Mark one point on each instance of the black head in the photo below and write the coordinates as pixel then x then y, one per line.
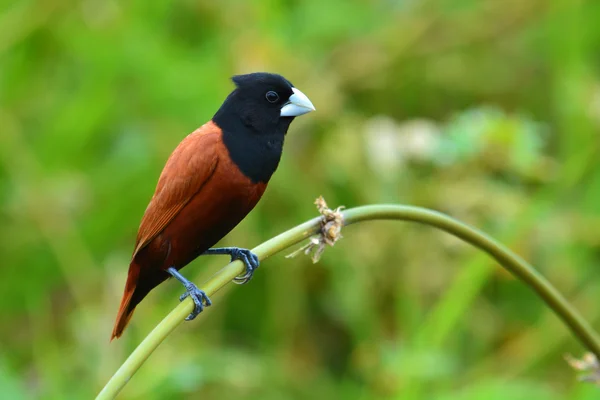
pixel 255 118
pixel 264 102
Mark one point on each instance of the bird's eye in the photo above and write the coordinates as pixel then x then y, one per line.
pixel 272 96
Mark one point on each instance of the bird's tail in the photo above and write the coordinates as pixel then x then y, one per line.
pixel 127 306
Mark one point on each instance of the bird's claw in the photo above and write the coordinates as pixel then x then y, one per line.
pixel 251 262
pixel 198 296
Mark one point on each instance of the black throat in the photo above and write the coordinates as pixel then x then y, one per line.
pixel 255 144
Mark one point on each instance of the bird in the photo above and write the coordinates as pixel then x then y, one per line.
pixel 211 181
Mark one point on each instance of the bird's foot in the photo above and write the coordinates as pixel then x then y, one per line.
pixel 199 297
pixel 249 259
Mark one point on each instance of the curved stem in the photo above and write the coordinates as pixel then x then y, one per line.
pixel 510 261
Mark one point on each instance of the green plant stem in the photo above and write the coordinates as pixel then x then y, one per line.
pixel 513 263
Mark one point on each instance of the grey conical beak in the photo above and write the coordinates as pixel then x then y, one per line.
pixel 298 104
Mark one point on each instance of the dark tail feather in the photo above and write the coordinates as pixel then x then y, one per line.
pixel 139 284
pixel 128 302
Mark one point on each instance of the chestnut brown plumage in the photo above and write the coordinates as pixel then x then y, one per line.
pixel 211 181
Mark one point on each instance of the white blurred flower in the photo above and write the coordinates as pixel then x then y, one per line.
pixel 390 144
pixel 382 144
pixel 420 138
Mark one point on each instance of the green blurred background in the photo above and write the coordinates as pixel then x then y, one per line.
pixel 486 110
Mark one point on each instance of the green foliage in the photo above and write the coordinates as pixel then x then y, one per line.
pixel 486 110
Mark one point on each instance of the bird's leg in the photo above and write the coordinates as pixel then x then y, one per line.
pixel 249 259
pixel 200 298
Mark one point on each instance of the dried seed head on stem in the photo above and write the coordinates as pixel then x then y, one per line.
pixel 330 232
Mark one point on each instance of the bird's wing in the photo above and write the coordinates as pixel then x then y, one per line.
pixel 188 169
